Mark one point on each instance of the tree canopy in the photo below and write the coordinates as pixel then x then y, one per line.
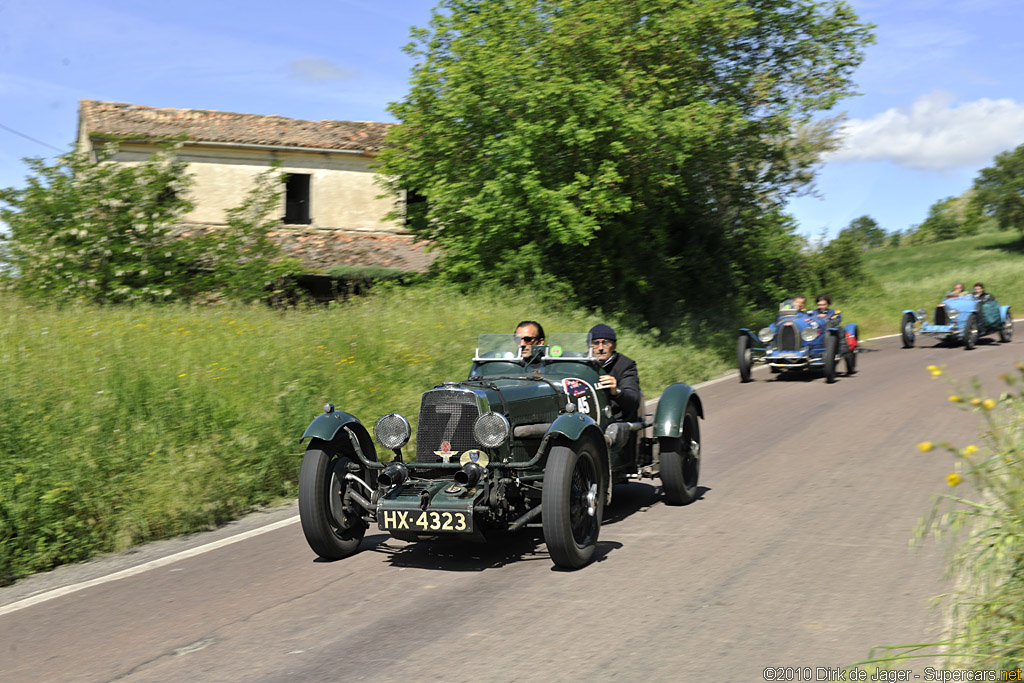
pixel 630 154
pixel 864 231
pixel 999 190
pixel 111 232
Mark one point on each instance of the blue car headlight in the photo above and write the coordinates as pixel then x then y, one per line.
pixel 810 333
pixel 766 334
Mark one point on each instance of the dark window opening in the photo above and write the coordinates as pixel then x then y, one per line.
pixel 296 199
pixel 415 206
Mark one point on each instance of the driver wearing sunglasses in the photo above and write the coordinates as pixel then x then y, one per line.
pixel 528 333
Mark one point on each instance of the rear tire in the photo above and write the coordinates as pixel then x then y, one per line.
pixel 831 344
pixel 744 357
pixel 907 330
pixel 680 461
pixel 1006 334
pixel 574 484
pixel 971 332
pixel 332 531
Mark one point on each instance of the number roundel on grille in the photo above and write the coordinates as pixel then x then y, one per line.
pixel 392 431
pixel 491 430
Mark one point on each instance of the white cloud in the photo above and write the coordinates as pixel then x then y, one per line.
pixel 935 133
pixel 310 69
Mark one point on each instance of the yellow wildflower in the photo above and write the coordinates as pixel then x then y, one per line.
pixel 955 399
pixel 975 401
pixel 925 446
pixel 970 449
pixel 988 404
pixel 935 370
pixel 182 374
pixel 953 479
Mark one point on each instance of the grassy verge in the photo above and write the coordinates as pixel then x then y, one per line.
pixel 984 527
pixel 918 277
pixel 123 425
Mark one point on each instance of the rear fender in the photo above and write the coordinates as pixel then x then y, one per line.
pixel 1004 313
pixel 851 328
pixel 668 419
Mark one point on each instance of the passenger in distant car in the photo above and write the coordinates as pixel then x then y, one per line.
pixel 826 315
pixel 980 294
pixel 958 290
pixel 622 380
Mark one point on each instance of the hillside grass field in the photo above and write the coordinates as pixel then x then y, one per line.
pixel 127 424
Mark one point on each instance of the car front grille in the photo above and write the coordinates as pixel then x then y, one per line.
pixel 941 316
pixel 446 416
pixel 789 338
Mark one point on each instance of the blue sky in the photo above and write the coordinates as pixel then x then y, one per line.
pixel 941 89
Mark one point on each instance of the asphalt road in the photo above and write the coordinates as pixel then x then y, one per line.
pixel 796 555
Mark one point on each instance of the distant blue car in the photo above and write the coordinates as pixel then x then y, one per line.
pixel 959 319
pixel 799 340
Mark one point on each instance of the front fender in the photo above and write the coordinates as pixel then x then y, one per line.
pixel 668 418
pixel 327 425
pixel 573 426
pixel 1004 313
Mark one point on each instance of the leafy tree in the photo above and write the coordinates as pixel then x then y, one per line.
pixel 111 232
pixel 999 190
pixel 100 231
pixel 943 223
pixel 622 154
pixel 865 231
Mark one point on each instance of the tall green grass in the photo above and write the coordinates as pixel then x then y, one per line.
pixel 125 424
pixel 984 527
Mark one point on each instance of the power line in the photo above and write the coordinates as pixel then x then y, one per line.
pixel 29 137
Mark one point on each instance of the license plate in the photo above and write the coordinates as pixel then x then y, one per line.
pixel 425 521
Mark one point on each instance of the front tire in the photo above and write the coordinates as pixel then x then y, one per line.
pixel 831 347
pixel 907 330
pixel 744 357
pixel 971 332
pixel 1006 334
pixel 680 461
pixel 332 530
pixel 572 503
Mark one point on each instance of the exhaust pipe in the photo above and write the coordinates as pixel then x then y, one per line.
pixel 469 475
pixel 394 474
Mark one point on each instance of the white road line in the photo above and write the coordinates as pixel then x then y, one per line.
pixel 199 550
pixel 132 571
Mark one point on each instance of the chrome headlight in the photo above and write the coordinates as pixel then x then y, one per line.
pixel 392 431
pixel 766 334
pixel 810 333
pixel 921 313
pixel 491 430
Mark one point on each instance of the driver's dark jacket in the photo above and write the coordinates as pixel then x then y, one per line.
pixel 625 406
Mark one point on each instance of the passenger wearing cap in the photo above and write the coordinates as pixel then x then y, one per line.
pixel 622 380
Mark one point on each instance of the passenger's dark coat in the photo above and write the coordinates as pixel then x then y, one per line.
pixel 625 406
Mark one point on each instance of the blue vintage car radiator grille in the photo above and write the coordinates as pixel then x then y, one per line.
pixel 446 417
pixel 789 338
pixel 941 317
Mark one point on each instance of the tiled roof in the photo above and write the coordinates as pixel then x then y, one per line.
pixel 135 121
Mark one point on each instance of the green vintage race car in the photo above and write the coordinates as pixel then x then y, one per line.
pixel 521 442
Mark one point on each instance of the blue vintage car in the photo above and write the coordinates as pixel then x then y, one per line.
pixel 799 340
pixel 959 319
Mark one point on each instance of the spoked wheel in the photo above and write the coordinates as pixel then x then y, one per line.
pixel 850 357
pixel 907 330
pixel 831 348
pixel 572 503
pixel 1006 334
pixel 744 357
pixel 971 332
pixel 333 529
pixel 680 461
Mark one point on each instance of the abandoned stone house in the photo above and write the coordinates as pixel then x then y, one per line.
pixel 331 211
